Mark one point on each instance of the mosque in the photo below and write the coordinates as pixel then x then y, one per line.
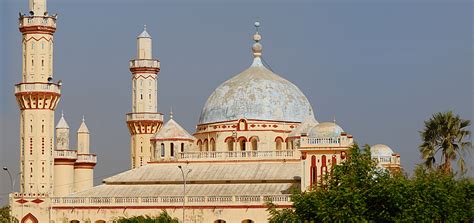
pixel 256 140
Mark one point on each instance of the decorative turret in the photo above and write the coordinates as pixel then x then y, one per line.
pixel 144 120
pixel 64 160
pixel 84 166
pixel 37 95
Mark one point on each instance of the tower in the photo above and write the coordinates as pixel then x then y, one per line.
pixel 144 120
pixel 37 96
pixel 85 163
pixel 64 160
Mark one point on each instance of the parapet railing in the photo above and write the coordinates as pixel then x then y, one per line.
pixel 38 20
pixel 386 159
pixel 87 158
pixel 339 141
pixel 65 154
pixel 37 86
pixel 239 154
pixel 152 63
pixel 144 116
pixel 171 200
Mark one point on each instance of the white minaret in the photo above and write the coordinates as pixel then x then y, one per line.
pixel 144 120
pixel 37 96
pixel 84 166
pixel 64 160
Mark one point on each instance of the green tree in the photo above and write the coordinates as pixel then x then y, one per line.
pixel 448 134
pixel 164 217
pixel 5 213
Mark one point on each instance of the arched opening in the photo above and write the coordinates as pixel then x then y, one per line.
pixel 199 144
pixel 278 143
pixel 213 144
pixel 242 125
pixel 219 221
pixel 254 142
pixel 313 172
pixel 230 143
pixel 172 149
pixel 242 143
pixel 247 221
pixel 206 145
pixel 74 221
pixel 182 147
pixel 162 150
pixel 100 221
pixel 29 218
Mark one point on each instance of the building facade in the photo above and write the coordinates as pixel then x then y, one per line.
pixel 257 139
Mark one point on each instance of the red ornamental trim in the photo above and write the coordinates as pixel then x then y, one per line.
pixel 30 100
pixel 144 126
pixel 248 120
pixel 64 161
pixel 224 161
pixel 84 165
pixel 174 207
pixel 150 70
pixel 37 201
pixel 228 138
pixel 171 139
pixel 279 137
pixel 242 138
pixel 254 137
pixel 255 130
pixel 22 201
pixel 38 39
pixel 142 76
pixel 37 30
pixel 29 218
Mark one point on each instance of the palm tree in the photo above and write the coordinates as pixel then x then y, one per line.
pixel 446 133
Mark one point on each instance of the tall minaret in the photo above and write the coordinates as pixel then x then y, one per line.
pixel 144 120
pixel 84 166
pixel 37 96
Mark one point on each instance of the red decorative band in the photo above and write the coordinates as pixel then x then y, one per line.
pixel 151 70
pixel 37 30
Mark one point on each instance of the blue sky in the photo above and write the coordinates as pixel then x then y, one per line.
pixel 380 67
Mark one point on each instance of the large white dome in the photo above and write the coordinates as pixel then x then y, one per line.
pixel 256 93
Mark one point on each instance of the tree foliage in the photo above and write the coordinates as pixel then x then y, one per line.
pixel 164 217
pixel 448 134
pixel 361 192
pixel 5 213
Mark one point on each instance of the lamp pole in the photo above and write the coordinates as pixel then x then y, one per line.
pixel 185 176
pixel 12 183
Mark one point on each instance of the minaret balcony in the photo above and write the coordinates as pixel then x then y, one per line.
pixel 144 116
pixel 145 66
pixel 86 158
pixel 65 154
pixel 37 87
pixel 38 24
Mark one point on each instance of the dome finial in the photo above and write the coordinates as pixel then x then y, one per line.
pixel 334 119
pixel 257 47
pixel 62 113
pixel 171 113
pixel 83 118
pixel 144 27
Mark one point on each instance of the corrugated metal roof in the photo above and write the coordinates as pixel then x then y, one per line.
pixel 191 190
pixel 226 171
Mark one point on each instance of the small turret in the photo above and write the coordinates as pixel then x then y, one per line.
pixel 64 160
pixel 83 138
pixel 144 45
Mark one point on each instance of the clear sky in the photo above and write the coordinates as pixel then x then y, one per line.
pixel 381 67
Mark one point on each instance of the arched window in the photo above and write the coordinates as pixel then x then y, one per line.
pixel 213 144
pixel 219 221
pixel 162 150
pixel 278 143
pixel 253 141
pixel 313 172
pixel 230 143
pixel 182 147
pixel 247 221
pixel 242 125
pixel 242 143
pixel 199 144
pixel 206 145
pixel 100 221
pixel 171 149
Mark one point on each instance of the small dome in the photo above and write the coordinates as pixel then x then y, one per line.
pixel 304 127
pixel 325 130
pixel 380 150
pixel 62 124
pixel 172 131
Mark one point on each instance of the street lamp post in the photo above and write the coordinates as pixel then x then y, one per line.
pixel 12 182
pixel 185 176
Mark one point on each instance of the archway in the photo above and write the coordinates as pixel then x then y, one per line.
pixel 219 221
pixel 29 218
pixel 100 221
pixel 230 143
pixel 74 221
pixel 278 142
pixel 254 142
pixel 213 144
pixel 247 221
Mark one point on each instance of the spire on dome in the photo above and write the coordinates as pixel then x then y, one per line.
pixel 144 34
pixel 62 124
pixel 257 47
pixel 83 128
pixel 171 113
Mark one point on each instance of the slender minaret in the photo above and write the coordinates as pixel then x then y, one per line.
pixel 144 120
pixel 64 160
pixel 84 166
pixel 37 95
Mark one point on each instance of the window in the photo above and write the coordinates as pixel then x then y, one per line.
pixel 182 147
pixel 42 128
pixel 230 144
pixel 243 143
pixel 278 142
pixel 253 141
pixel 162 150
pixel 313 172
pixel 171 149
pixel 206 145
pixel 42 63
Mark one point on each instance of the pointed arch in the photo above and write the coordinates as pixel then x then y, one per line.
pixel 242 126
pixel 29 218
